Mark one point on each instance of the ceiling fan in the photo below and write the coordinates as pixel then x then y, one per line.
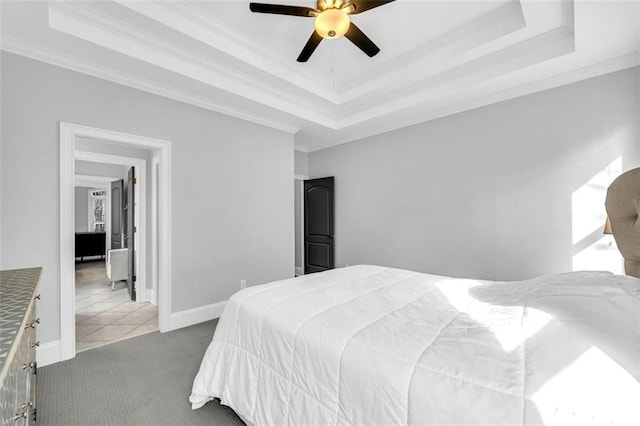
pixel 332 21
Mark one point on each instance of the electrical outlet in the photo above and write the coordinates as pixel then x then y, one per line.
pixel 243 284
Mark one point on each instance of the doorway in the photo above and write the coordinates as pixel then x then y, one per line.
pixel 319 224
pixel 106 309
pixel 88 158
pixel 159 290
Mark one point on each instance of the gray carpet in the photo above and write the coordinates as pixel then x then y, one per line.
pixel 145 380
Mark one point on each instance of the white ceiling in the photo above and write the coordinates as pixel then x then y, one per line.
pixel 437 57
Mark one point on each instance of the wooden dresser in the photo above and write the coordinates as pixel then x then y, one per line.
pixel 90 244
pixel 18 321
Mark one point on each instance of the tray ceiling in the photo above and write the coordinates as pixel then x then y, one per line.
pixel 437 57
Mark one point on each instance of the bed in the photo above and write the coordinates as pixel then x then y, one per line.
pixel 375 345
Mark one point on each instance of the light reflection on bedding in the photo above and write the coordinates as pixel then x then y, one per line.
pixel 594 389
pixel 511 325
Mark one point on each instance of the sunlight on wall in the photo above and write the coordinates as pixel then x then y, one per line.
pixel 592 250
pixel 600 256
pixel 593 390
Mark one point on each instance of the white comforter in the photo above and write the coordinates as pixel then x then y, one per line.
pixel 372 345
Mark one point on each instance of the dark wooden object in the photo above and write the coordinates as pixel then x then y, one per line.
pixel 318 225
pixel 90 244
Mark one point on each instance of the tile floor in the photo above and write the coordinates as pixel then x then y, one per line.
pixel 104 316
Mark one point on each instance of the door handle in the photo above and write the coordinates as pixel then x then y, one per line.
pixel 125 236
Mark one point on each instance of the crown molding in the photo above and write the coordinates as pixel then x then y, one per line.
pixel 39 53
pixel 602 68
pixel 93 26
pixel 300 148
pixel 435 55
pixel 187 19
pixel 80 21
pixel 485 71
pixel 526 53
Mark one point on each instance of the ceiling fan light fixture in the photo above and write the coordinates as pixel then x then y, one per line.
pixel 332 23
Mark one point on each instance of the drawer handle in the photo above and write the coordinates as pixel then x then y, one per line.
pixel 20 416
pixel 33 365
pixel 27 404
pixel 33 345
pixel 33 323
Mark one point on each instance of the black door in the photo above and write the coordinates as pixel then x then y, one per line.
pixel 116 214
pixel 318 225
pixel 130 230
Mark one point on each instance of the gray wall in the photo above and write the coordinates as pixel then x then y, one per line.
pixel 1 234
pixel 232 203
pixel 301 166
pixel 301 162
pixel 82 208
pixel 486 193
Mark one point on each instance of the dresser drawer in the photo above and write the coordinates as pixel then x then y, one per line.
pixel 18 337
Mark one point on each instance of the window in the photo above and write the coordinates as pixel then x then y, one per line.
pixel 97 209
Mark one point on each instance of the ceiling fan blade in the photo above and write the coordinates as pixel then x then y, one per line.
pixel 310 47
pixel 357 37
pixel 280 9
pixel 359 6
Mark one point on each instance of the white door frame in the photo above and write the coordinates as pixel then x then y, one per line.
pixel 100 182
pixel 155 165
pixel 301 178
pixel 68 134
pixel 140 212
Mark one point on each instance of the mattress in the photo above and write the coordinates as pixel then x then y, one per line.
pixel 375 345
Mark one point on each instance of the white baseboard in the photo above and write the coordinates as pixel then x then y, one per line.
pixel 196 315
pixel 48 353
pixel 299 270
pixel 152 297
